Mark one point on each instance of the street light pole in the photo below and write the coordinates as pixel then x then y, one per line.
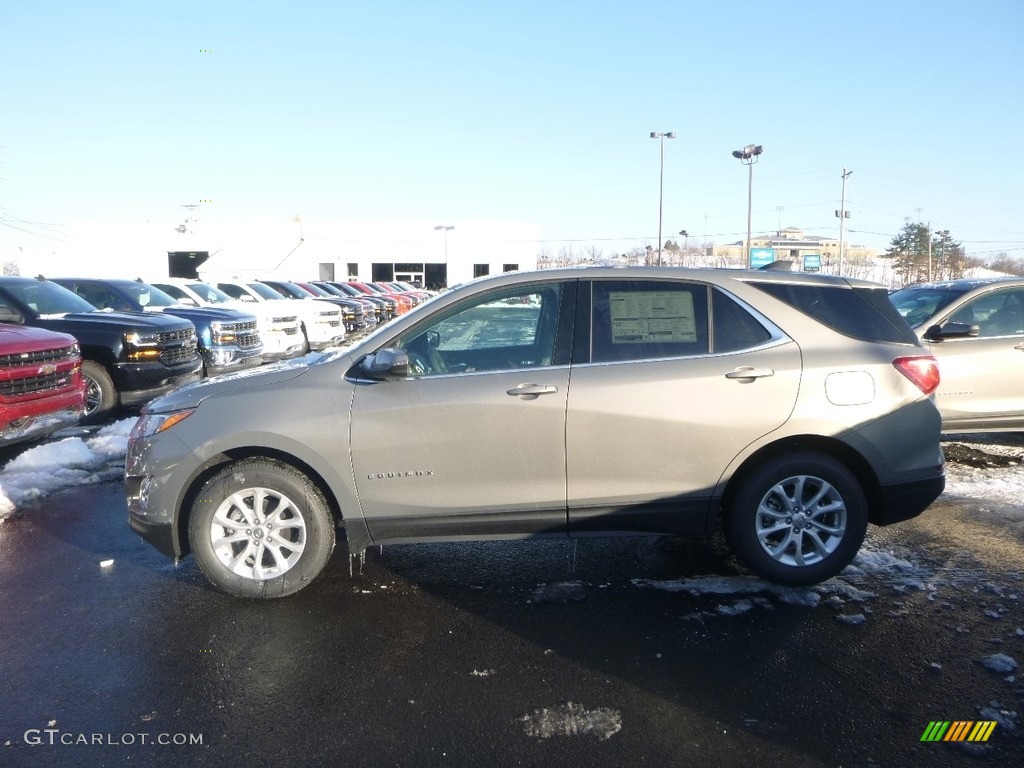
pixel 843 215
pixel 661 180
pixel 446 230
pixel 748 156
pixel 686 243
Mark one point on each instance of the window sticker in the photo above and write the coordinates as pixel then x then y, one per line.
pixel 652 316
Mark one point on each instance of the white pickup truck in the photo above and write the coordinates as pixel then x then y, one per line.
pixel 278 326
pixel 322 322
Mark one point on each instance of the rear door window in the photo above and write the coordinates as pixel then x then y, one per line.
pixel 647 319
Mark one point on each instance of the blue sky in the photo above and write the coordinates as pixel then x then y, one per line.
pixel 528 111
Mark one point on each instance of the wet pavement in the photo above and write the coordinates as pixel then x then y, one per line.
pixel 607 653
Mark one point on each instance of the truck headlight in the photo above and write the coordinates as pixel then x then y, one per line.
pixel 222 334
pixel 142 346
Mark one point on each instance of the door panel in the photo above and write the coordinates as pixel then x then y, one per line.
pixel 656 435
pixel 472 443
pixel 981 380
pixel 655 415
pixel 455 451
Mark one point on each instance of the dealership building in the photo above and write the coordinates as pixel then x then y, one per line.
pixel 432 254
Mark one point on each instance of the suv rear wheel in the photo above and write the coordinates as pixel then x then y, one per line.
pixel 798 519
pixel 261 528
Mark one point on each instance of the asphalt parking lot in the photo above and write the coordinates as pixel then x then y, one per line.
pixel 608 652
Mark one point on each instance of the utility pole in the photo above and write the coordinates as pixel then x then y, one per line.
pixel 843 215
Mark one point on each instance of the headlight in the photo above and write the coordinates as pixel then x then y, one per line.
pixel 136 339
pixel 142 346
pixel 150 424
pixel 221 334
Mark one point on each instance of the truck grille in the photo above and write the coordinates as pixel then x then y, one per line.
pixel 35 384
pixel 177 346
pixel 246 335
pixel 37 358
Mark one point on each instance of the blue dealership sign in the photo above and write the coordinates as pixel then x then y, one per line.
pixel 812 262
pixel 761 257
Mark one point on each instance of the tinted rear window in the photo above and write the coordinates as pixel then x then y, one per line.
pixel 861 313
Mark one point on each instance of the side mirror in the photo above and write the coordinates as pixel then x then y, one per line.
pixel 386 364
pixel 951 331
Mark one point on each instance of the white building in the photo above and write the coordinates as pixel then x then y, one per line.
pixel 432 254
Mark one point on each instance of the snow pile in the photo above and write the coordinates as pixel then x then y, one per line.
pixel 72 461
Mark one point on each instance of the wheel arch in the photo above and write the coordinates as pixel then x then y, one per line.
pixel 836 449
pixel 216 463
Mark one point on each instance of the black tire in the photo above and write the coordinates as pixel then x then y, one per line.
pixel 100 394
pixel 786 542
pixel 293 516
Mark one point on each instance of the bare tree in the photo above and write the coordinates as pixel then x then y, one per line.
pixel 11 267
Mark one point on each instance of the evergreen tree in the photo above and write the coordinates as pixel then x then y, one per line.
pixel 909 252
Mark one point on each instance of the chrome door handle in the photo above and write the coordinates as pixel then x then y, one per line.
pixel 750 373
pixel 531 389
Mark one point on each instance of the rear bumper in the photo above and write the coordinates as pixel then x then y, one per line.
pixel 902 501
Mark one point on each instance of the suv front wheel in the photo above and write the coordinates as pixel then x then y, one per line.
pixel 797 519
pixel 260 528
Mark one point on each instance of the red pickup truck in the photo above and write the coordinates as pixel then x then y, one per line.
pixel 41 384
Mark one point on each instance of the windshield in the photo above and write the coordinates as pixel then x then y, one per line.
pixel 209 294
pixel 265 291
pixel 316 290
pixel 290 290
pixel 348 290
pixel 917 305
pixel 46 298
pixel 146 295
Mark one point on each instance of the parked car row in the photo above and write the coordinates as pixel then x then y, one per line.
pixel 75 348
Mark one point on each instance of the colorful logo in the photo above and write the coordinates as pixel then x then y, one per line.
pixel 958 730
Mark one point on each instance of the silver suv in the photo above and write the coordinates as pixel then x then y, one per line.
pixel 975 328
pixel 791 409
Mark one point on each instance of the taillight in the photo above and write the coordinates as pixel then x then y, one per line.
pixel 923 371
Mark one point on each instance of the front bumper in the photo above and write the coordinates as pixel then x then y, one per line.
pixel 334 341
pixel 141 382
pixel 230 358
pixel 39 426
pixel 160 535
pixel 322 334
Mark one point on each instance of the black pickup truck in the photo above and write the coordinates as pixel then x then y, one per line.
pixel 228 338
pixel 128 358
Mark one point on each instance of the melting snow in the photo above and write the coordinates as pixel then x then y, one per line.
pixel 998 662
pixel 46 468
pixel 572 720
